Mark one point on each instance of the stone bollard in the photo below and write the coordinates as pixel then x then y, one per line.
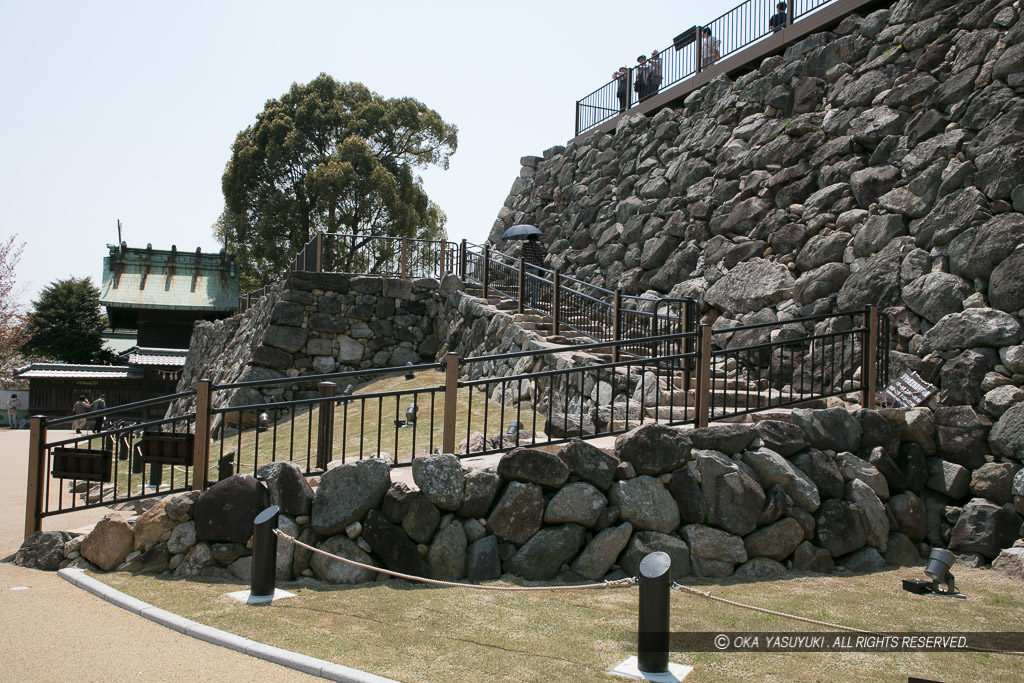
pixel 264 554
pixel 652 634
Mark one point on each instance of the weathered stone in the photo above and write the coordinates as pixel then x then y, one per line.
pixel 645 542
pixel 776 541
pixel 42 550
pixel 1004 291
pixel 948 478
pixel 772 468
pixel 533 466
pixel 577 502
pixel 1010 562
pixel 440 478
pixel 875 517
pixel 653 449
pixel 1007 435
pixel 961 377
pixel 182 538
pixel 994 481
pixel 687 493
pixel 335 572
pixel 784 438
pixel 868 184
pixel 589 463
pixel 347 492
pixel 181 507
pixel 728 438
pixel 908 514
pixel 840 527
pixel 984 528
pixel 734 498
pixel 751 286
pixel 196 561
pixel 288 489
pixel 760 569
pixel 480 489
pixel 645 503
pixel 545 553
pixel 518 513
pixel 852 467
pixel 446 559
pixel 962 433
pixel 421 518
pixel 226 510
pixel 886 466
pixel 830 429
pixel 936 295
pixel 809 557
pixel 482 560
pixel 877 282
pixel 712 552
pixel 396 501
pixel 600 554
pixel 863 560
pixel 153 526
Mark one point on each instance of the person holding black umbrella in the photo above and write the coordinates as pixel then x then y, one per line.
pixel 533 255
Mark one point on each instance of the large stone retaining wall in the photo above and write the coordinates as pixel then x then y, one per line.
pixel 827 489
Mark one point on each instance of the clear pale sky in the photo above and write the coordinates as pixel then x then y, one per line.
pixel 127 110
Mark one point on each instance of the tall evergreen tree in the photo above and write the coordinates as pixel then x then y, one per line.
pixel 68 324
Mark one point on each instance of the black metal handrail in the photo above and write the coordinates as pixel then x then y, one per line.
pixel 688 55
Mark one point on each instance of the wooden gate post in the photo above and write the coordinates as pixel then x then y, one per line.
pixel 405 258
pixel 462 260
pixel 201 449
pixel 36 464
pixel 325 426
pixel 616 324
pixel 556 302
pixel 703 398
pixel 869 357
pixel 451 399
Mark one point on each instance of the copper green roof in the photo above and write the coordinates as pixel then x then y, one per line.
pixel 168 280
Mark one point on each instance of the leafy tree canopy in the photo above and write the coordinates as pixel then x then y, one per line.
pixel 329 157
pixel 68 323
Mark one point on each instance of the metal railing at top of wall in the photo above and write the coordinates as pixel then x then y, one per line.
pixel 484 404
pixel 687 56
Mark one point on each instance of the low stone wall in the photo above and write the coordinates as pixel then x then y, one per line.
pixel 827 489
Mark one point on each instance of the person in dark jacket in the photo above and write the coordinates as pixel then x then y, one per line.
pixel 778 20
pixel 621 79
pixel 533 256
pixel 99 404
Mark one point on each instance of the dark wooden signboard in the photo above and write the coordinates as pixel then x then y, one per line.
pixel 83 464
pixel 167 448
pixel 908 390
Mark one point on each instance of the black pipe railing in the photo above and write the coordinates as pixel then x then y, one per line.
pixel 690 54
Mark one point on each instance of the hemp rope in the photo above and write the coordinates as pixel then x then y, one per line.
pixel 707 594
pixel 620 583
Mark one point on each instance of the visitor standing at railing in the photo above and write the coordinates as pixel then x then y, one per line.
pixel 653 74
pixel 533 255
pixel 709 48
pixel 778 20
pixel 621 79
pixel 640 78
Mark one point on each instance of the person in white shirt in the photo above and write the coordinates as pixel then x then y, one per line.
pixel 709 48
pixel 13 406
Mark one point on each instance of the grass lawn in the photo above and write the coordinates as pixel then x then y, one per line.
pixel 416 633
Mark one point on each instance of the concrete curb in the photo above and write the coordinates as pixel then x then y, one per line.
pixel 292 660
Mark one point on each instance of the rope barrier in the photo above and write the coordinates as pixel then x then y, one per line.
pixel 707 594
pixel 620 583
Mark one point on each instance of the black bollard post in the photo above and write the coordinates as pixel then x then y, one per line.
pixel 652 635
pixel 264 554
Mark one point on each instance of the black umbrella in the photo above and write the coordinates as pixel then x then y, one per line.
pixel 520 232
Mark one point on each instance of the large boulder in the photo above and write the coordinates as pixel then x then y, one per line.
pixel 686 490
pixel 600 554
pixel 936 295
pixel 440 478
pixel 42 550
pixel 963 434
pixel 875 517
pixel 829 429
pixel 975 252
pixel 483 563
pixel 644 543
pixel 713 553
pixel 962 376
pixel 589 463
pixel 226 510
pixel 1007 435
pixel 821 470
pixel 734 498
pixel 853 467
pixel 772 468
pixel 994 481
pixel 1010 562
pixel 545 553
pixel 337 572
pixel 518 514
pixel 533 466
pixel 288 489
pixel 577 502
pixel 948 478
pixel 776 541
pixel 645 503
pixel 347 492
pixel 1004 291
pixel 751 286
pixel 908 513
pixel 785 438
pixel 480 489
pixel 421 518
pixel 970 328
pixel 840 527
pixel 153 526
pixel 984 528
pixel 446 558
pixel 653 449
pixel 110 541
pixel 877 282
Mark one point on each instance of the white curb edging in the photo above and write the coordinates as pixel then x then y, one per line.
pixel 292 660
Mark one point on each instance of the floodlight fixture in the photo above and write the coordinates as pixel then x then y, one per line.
pixel 514 427
pixel 409 374
pixel 410 413
pixel 940 561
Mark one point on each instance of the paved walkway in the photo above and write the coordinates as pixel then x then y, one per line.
pixel 54 631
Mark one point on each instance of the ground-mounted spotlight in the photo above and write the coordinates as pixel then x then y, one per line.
pixel 347 392
pixel 263 422
pixel 410 413
pixel 409 374
pixel 514 427
pixel 940 561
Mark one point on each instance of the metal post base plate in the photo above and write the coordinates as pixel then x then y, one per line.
pixel 628 669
